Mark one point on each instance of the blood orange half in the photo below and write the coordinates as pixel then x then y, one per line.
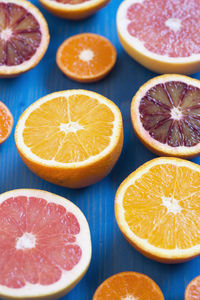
pixel 24 37
pixel 165 114
pixel 45 245
pixel 73 9
pixel 161 35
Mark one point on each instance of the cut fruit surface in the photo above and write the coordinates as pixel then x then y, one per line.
pixel 71 138
pixel 45 246
pixel 165 114
pixel 86 57
pixel 73 9
pixel 128 286
pixel 192 291
pixel 167 41
pixel 6 122
pixel 158 209
pixel 24 37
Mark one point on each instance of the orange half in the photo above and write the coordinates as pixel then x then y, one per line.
pixel 192 291
pixel 128 286
pixel 86 57
pixel 6 122
pixel 71 138
pixel 73 9
pixel 158 209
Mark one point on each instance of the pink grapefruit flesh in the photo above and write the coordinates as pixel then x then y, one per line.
pixel 20 34
pixel 40 242
pixel 168 28
pixel 170 113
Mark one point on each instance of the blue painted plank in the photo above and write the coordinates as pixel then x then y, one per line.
pixel 111 252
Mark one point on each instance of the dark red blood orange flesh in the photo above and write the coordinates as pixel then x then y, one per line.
pixel 170 112
pixel 167 27
pixel 37 241
pixel 193 290
pixel 72 1
pixel 20 34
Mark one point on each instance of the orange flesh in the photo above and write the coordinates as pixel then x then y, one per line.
pixel 128 286
pixel 6 122
pixel 193 290
pixel 69 129
pixel 102 56
pixel 163 207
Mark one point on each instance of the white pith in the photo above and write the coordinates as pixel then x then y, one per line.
pixel 143 243
pixel 129 298
pixel 123 22
pixel 171 204
pixel 83 239
pixel 6 34
pixel 86 55
pixel 44 38
pixel 70 127
pixel 26 241
pixel 176 113
pixel 113 139
pixel 174 24
pixel 181 150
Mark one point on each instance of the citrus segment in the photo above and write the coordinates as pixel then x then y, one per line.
pixel 24 37
pixel 157 209
pixel 165 115
pixel 73 9
pixel 165 41
pixel 128 286
pixel 192 291
pixel 86 57
pixel 6 122
pixel 45 242
pixel 71 138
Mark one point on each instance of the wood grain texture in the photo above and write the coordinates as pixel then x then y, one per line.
pixel 111 252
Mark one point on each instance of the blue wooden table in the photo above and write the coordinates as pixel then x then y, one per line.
pixel 111 252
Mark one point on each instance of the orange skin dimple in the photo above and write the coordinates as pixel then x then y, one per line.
pixel 97 67
pixel 128 285
pixel 6 122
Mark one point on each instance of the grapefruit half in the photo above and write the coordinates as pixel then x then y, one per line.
pixel 165 114
pixel 45 246
pixel 161 35
pixel 24 37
